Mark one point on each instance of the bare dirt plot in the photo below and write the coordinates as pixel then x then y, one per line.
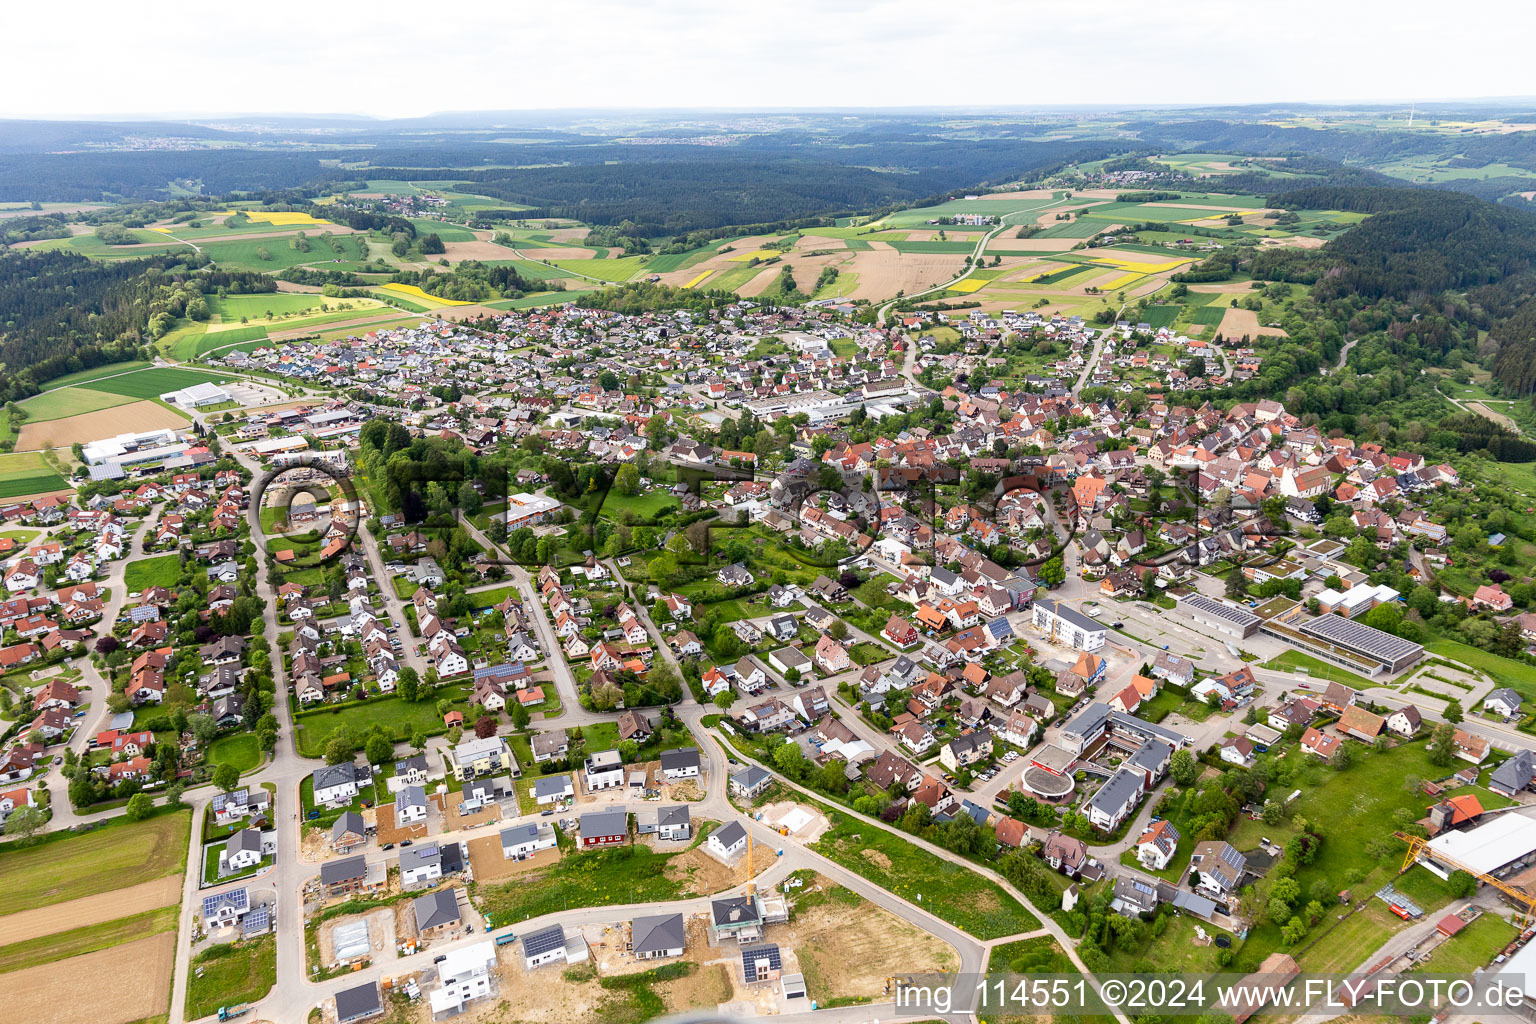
pixel 760 283
pixel 804 823
pixel 707 874
pixel 93 426
pixel 126 983
pixel 1005 243
pixel 543 996
pixel 883 272
pixel 847 949
pixel 487 816
pixel 135 899
pixel 294 286
pixel 489 865
pixel 478 250
pixel 704 989
pixel 389 833
pixel 1237 322
pixel 544 254
pixel 1497 417
pixel 1031 193
pixel 1295 242
pixel 1241 287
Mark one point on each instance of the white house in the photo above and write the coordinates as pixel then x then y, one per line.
pixel 241 851
pixel 1068 626
pixel 410 805
pixel 604 770
pixel 677 765
pixel 1157 845
pixel 727 841
pixel 1503 702
pixel 522 841
pixel 338 783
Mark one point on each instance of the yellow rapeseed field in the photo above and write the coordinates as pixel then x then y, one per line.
pixel 761 254
pixel 415 292
pixel 970 284
pixel 1122 281
pixel 1140 266
pixel 695 282
pixel 279 219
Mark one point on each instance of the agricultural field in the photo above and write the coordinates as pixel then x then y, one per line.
pixel 91 426
pixel 26 473
pixel 63 402
pixel 416 297
pixel 155 382
pixel 66 914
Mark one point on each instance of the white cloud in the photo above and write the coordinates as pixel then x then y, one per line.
pixel 392 58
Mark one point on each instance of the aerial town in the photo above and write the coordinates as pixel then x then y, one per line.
pixel 878 544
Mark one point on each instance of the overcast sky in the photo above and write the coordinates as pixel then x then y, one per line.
pixel 73 58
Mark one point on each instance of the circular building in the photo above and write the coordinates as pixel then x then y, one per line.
pixel 1045 785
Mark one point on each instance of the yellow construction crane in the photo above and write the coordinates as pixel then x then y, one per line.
pixel 1526 902
pixel 751 878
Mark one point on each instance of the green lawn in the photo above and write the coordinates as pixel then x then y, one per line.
pixel 28 473
pixel 1516 675
pixel 64 866
pixel 232 973
pixel 595 878
pixel 397 717
pixel 1472 947
pixel 1350 809
pixel 211 864
pixel 155 382
pixel 239 749
pixel 619 270
pixel 82 376
pixel 246 254
pixel 646 505
pixel 1317 668
pixel 955 893
pixel 159 571
pixel 55 405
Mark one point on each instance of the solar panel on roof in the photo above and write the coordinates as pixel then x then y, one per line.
pixel 550 938
pixel 239 899
pixel 1349 633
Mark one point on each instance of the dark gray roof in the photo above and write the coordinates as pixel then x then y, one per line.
pixel 350 821
pixel 672 816
pixel 658 933
pixel 730 834
pixel 604 823
pixel 734 910
pixel 245 839
pixel 333 871
pixel 549 785
pixel 359 1002
pixel 436 908
pixel 544 940
pixel 524 833
pixel 686 757
pixel 1118 792
pixel 1514 774
pixel 751 776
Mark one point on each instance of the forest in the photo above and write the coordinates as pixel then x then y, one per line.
pixel 62 312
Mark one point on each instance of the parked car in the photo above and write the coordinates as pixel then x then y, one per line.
pixel 406 842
